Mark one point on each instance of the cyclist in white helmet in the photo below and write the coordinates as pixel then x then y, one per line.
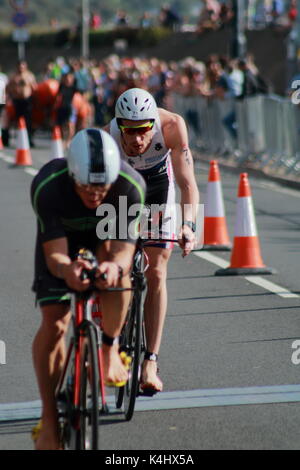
pixel 154 141
pixel 65 196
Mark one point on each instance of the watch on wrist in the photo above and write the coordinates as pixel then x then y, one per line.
pixel 190 224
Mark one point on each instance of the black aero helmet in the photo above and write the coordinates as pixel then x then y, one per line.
pixel 93 157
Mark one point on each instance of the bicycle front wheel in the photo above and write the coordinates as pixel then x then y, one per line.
pixel 87 438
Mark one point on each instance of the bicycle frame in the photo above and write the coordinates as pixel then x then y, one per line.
pixel 133 337
pixel 78 320
pixel 82 315
pixel 85 311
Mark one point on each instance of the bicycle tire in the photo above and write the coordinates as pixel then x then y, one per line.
pixel 133 338
pixel 65 401
pixel 89 392
pixel 119 396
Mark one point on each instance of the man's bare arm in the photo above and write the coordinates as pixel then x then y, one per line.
pixel 176 138
pixel 61 266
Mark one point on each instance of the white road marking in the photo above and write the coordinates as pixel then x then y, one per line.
pixel 281 291
pixel 212 258
pixel 31 171
pixel 175 400
pixel 7 158
pixel 258 280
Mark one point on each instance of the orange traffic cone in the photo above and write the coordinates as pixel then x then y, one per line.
pixel 23 154
pixel 57 150
pixel 245 257
pixel 215 228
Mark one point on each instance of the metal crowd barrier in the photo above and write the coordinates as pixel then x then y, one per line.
pixel 267 129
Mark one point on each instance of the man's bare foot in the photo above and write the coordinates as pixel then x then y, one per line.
pixel 115 372
pixel 149 377
pixel 47 440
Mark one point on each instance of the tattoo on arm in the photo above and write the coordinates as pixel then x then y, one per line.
pixel 185 151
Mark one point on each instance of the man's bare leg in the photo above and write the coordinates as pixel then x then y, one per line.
pixel 48 352
pixel 115 307
pixel 155 310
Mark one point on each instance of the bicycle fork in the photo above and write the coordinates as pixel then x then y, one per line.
pixel 96 317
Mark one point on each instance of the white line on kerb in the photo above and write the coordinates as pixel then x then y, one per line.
pixel 258 280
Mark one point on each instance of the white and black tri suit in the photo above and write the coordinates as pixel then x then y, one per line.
pixel 156 168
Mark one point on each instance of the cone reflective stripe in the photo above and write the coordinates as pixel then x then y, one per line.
pixel 246 255
pixel 23 154
pixel 57 150
pixel 215 228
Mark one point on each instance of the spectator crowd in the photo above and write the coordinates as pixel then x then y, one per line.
pixel 99 83
pixel 257 14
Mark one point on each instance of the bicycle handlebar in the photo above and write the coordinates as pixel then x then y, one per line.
pixel 91 275
pixel 143 240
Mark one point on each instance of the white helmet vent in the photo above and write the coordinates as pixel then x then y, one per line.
pixel 136 104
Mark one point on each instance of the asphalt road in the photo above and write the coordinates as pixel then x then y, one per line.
pixel 226 357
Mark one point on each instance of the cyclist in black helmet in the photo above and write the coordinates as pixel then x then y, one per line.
pixel 66 197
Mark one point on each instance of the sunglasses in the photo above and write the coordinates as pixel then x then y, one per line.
pixel 92 188
pixel 140 130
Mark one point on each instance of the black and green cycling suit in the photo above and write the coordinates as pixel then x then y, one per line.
pixel 61 213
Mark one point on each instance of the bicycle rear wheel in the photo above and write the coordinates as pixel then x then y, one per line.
pixel 88 430
pixel 131 343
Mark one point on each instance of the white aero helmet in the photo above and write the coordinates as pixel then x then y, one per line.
pixel 93 157
pixel 136 104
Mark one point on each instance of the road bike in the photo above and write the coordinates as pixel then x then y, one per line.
pixel 133 339
pixel 80 393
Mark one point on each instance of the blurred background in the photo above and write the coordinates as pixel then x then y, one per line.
pixel 269 29
pixel 229 67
